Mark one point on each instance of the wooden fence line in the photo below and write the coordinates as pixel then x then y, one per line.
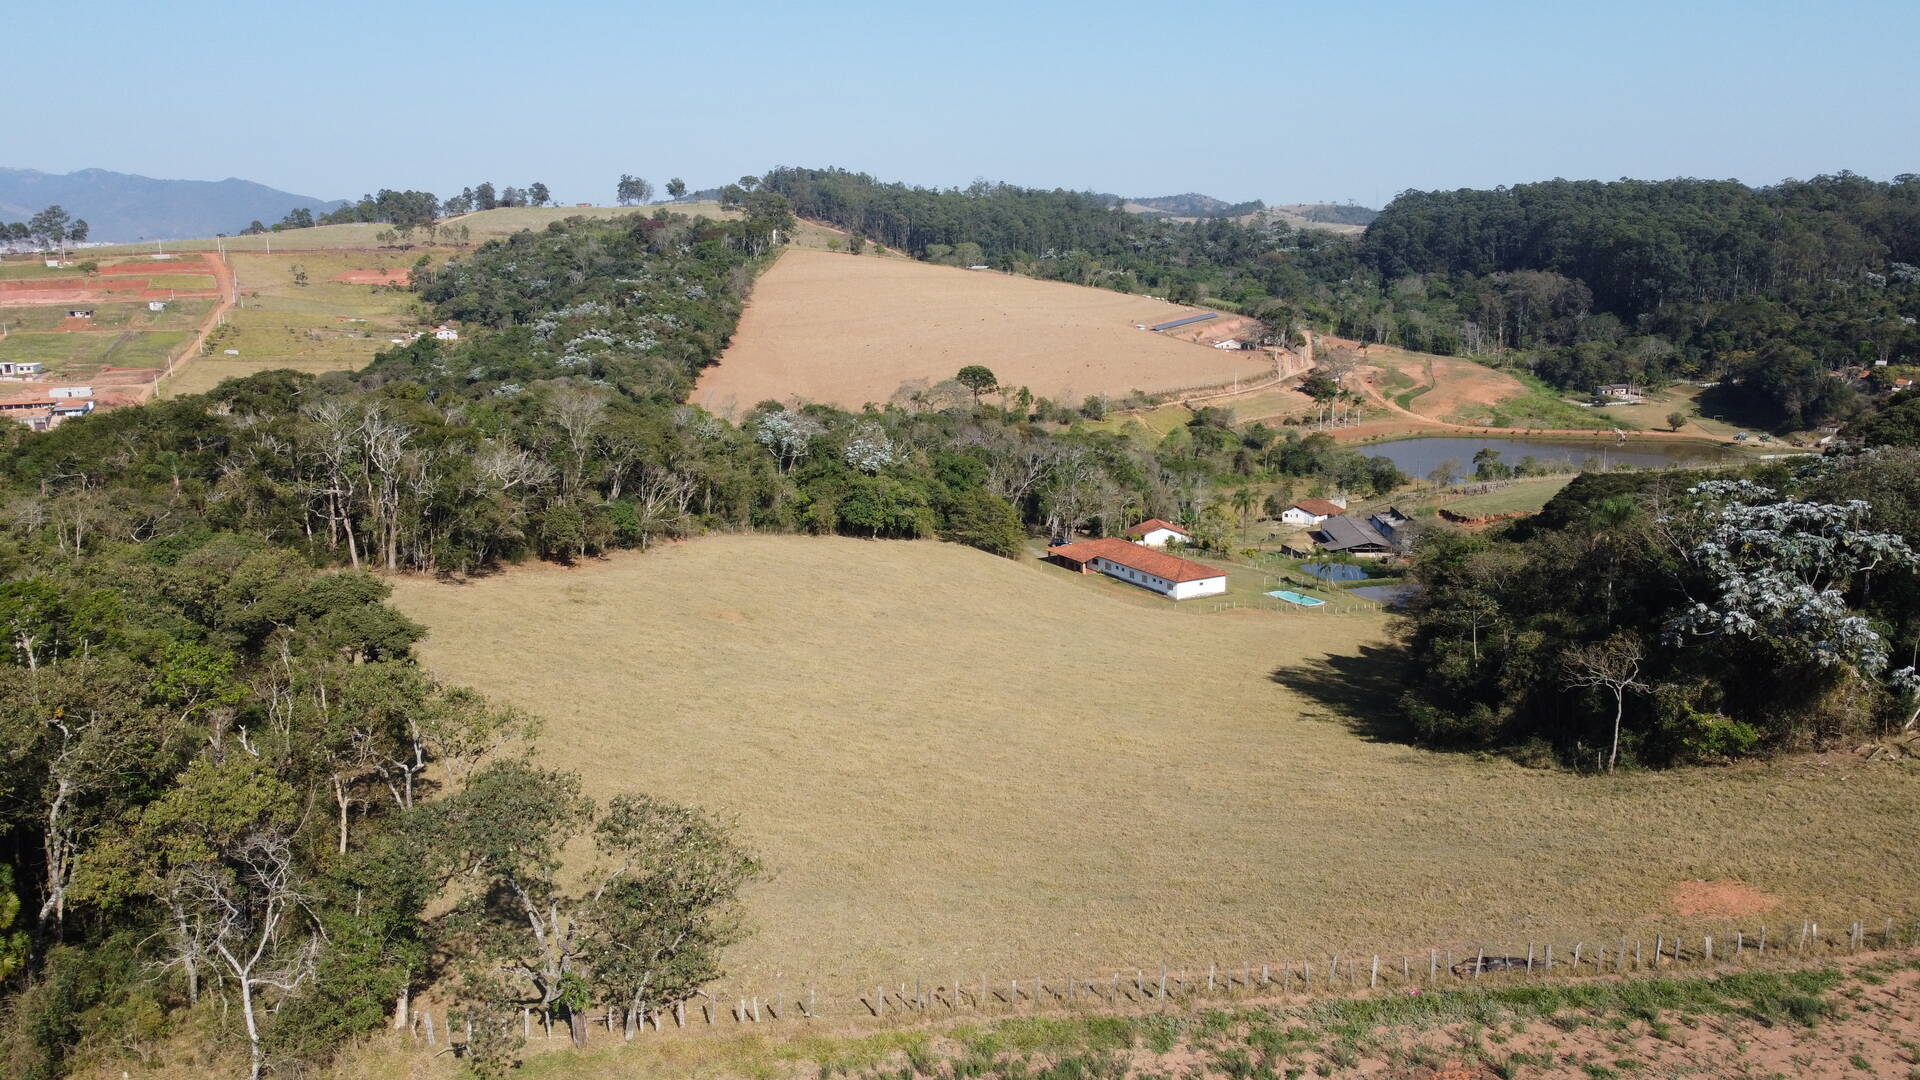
pixel 1333 973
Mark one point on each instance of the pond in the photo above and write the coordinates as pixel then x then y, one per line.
pixel 1420 456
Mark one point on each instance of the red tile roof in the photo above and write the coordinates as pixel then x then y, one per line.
pixel 1144 559
pixel 1151 524
pixel 1321 507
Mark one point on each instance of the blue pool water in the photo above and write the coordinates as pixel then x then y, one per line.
pixel 1292 597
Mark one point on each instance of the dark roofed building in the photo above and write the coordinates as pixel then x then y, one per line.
pixel 1346 536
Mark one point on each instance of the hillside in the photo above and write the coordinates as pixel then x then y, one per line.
pixel 124 207
pixel 848 330
pixel 954 760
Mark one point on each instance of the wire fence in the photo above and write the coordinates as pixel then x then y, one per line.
pixel 1137 988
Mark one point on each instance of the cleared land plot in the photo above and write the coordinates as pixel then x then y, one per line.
pixel 70 356
pixel 324 325
pixel 847 330
pixel 179 315
pixel 957 762
pixel 1456 391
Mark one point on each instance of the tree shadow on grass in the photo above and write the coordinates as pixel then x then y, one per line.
pixel 1361 691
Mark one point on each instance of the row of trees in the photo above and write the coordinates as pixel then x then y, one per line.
pixel 50 229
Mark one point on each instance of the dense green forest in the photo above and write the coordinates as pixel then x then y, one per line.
pixel 1768 291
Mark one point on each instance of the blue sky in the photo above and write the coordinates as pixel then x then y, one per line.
pixel 1282 101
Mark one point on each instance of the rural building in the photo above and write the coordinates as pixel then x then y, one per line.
pixel 1230 343
pixel 979 266
pixel 21 367
pixel 1390 523
pixel 42 412
pixel 1619 390
pixel 54 264
pixel 1345 536
pixel 1312 511
pixel 80 313
pixel 70 392
pixel 1154 532
pixel 1168 575
pixel 1172 324
pixel 156 305
pixel 443 332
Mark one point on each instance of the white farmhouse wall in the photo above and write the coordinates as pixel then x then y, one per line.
pixel 1162 537
pixel 1293 515
pixel 1211 586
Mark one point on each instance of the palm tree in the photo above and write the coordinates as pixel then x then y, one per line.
pixel 1243 502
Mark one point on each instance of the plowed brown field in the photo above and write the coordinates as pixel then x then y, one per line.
pixel 851 329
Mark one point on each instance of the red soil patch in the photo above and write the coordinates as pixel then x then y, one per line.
pixel 374 277
pixel 1724 898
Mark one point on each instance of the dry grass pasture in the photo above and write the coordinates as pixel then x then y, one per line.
pixel 954 762
pixel 848 330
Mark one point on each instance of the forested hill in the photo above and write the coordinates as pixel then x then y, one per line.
pixel 1638 244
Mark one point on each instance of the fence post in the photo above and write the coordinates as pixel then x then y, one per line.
pixel 1659 944
pixel 1433 965
pixel 1549 958
pixel 428 1017
pixel 1479 962
pixel 1529 957
pixel 526 1023
pixel 1709 949
pixel 1163 983
pixel 1209 978
pixel 1373 979
pixel 1739 943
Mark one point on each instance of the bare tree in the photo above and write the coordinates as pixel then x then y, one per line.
pixel 1612 665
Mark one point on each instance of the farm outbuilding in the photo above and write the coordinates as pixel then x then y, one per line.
pixel 446 333
pixel 1154 532
pixel 1343 535
pixel 156 305
pixel 1168 575
pixel 1174 324
pixel 21 367
pixel 1311 511
pixel 80 313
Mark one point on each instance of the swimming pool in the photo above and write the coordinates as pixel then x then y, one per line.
pixel 1292 597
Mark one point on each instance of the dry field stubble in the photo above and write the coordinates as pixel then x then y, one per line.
pixel 957 763
pixel 848 330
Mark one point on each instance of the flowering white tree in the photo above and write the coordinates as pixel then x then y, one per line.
pixel 1780 568
pixel 870 450
pixel 788 435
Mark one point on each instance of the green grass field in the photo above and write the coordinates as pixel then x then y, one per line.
pixel 321 326
pixel 1540 406
pixel 179 315
pixel 956 762
pixel 181 281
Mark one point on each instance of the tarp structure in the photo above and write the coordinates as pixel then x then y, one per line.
pixel 1334 571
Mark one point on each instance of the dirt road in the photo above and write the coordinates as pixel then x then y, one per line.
pixel 222 274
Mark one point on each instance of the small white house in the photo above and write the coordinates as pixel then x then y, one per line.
pixel 156 305
pixel 1311 512
pixel 70 392
pixel 1623 391
pixel 21 368
pixel 1156 533
pixel 444 332
pixel 1230 343
pixel 1156 571
pixel 55 264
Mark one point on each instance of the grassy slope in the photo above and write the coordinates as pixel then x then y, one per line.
pixel 954 761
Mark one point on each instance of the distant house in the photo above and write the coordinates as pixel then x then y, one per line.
pixel 41 412
pixel 1154 532
pixel 1619 390
pixel 21 368
pixel 55 264
pixel 70 392
pixel 80 313
pixel 1345 536
pixel 156 305
pixel 979 266
pixel 1168 575
pixel 1312 511
pixel 443 332
pixel 1230 343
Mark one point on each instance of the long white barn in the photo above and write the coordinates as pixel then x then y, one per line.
pixel 1168 575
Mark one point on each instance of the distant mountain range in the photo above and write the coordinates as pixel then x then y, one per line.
pixel 122 207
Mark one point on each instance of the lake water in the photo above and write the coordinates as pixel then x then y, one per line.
pixel 1418 457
